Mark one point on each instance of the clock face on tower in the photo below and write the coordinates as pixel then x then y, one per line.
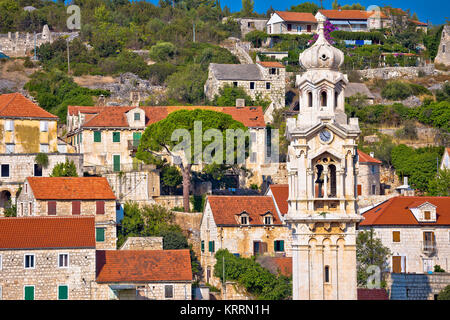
pixel 325 136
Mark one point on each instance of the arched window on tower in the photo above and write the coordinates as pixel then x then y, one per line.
pixel 310 99
pixel 336 96
pixel 323 99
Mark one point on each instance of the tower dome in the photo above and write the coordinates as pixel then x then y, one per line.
pixel 322 55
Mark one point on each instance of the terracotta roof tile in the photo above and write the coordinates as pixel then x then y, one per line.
pixel 364 157
pixel 15 105
pixel 271 64
pixel 296 16
pixel 396 211
pixel 47 232
pixel 226 209
pixel 372 294
pixel 284 265
pixel 419 23
pixel 143 265
pixel 71 188
pixel 350 14
pixel 281 194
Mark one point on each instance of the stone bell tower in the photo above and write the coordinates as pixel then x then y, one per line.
pixel 322 160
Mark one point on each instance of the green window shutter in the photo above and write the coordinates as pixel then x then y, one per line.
pixel 116 162
pixel 116 136
pixel 97 136
pixel 137 116
pixel 99 234
pixel 136 138
pixel 29 293
pixel 63 292
pixel 281 245
pixel 211 246
pixel 203 246
pixel 275 246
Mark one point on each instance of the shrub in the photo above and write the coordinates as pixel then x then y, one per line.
pixel 396 90
pixel 444 294
pixel 162 51
pixel 42 159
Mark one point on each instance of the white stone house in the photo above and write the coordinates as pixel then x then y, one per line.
pixel 368 175
pixel 244 225
pixel 47 258
pixel 263 79
pixel 286 22
pixel 415 229
pixel 445 162
pixel 443 55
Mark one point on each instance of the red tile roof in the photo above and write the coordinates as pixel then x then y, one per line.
pixel 115 116
pixel 284 265
pixel 372 294
pixel 419 23
pixel 396 211
pixel 47 232
pixel 271 64
pixel 350 14
pixel 364 157
pixel 226 209
pixel 15 105
pixel 296 16
pixel 281 194
pixel 71 188
pixel 143 265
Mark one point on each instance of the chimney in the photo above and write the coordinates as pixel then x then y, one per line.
pixel 101 102
pixel 372 155
pixel 135 98
pixel 240 103
pixel 405 181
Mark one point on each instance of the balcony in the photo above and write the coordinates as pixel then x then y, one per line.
pixel 429 247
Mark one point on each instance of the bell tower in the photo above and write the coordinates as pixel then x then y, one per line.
pixel 322 170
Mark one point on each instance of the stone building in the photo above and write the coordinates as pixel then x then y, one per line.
pixel 143 275
pixel 368 175
pixel 286 22
pixel 322 171
pixel 415 229
pixel 109 136
pixel 357 20
pixel 27 130
pixel 72 196
pixel 47 258
pixel 443 55
pixel 445 162
pixel 248 24
pixel 245 225
pixel 265 79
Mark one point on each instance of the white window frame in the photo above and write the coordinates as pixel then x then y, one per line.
pixel 9 146
pixel 43 146
pixel 68 261
pixel 9 125
pixel 25 260
pixel 43 126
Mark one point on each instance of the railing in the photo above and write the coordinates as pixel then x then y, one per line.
pixel 429 247
pixel 133 144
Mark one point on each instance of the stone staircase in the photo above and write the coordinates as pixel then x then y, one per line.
pixel 239 49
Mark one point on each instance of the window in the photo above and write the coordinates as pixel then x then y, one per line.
pixel 116 136
pixel 203 245
pixel 267 220
pixel 211 246
pixel 9 125
pixel 374 189
pixel 443 48
pixel 395 236
pixel 51 208
pixel 63 260
pixel 137 116
pixel 323 99
pixel 10 148
pixel 44 126
pixel 427 215
pixel 244 220
pixel 327 274
pixel 289 27
pixel 168 291
pixel 252 85
pixel 273 71
pixel 28 292
pixel 29 261
pixel 44 148
pixel 37 170
pixel 97 136
pixel 100 207
pixel 5 170
pixel 100 234
pixel 235 84
pixel 268 85
pixel 63 292
pixel 76 205
pixel 310 99
pixel 278 245
pixel 373 169
pixel 30 213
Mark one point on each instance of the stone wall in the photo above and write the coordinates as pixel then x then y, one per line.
pixel 170 202
pixel 416 286
pixel 143 243
pixel 46 276
pixel 190 224
pixel 368 178
pixel 143 291
pixel 396 72
pixel 135 185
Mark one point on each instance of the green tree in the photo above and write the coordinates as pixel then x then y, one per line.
pixel 157 138
pixel 162 51
pixel 10 209
pixel 439 186
pixel 64 169
pixel 370 251
pixel 171 177
pixel 228 95
pixel 396 90
pixel 247 8
pixel 444 294
pixel 305 7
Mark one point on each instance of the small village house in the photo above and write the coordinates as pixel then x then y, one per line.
pixel 72 196
pixel 368 175
pixel 356 20
pixel 286 22
pixel 445 162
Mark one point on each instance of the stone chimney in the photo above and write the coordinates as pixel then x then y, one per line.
pixel 240 102
pixel 135 98
pixel 405 181
pixel 372 155
pixel 101 102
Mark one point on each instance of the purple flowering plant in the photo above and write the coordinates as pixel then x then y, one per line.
pixel 327 29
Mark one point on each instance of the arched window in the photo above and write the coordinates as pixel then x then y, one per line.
pixel 310 99
pixel 336 96
pixel 332 182
pixel 327 274
pixel 323 99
